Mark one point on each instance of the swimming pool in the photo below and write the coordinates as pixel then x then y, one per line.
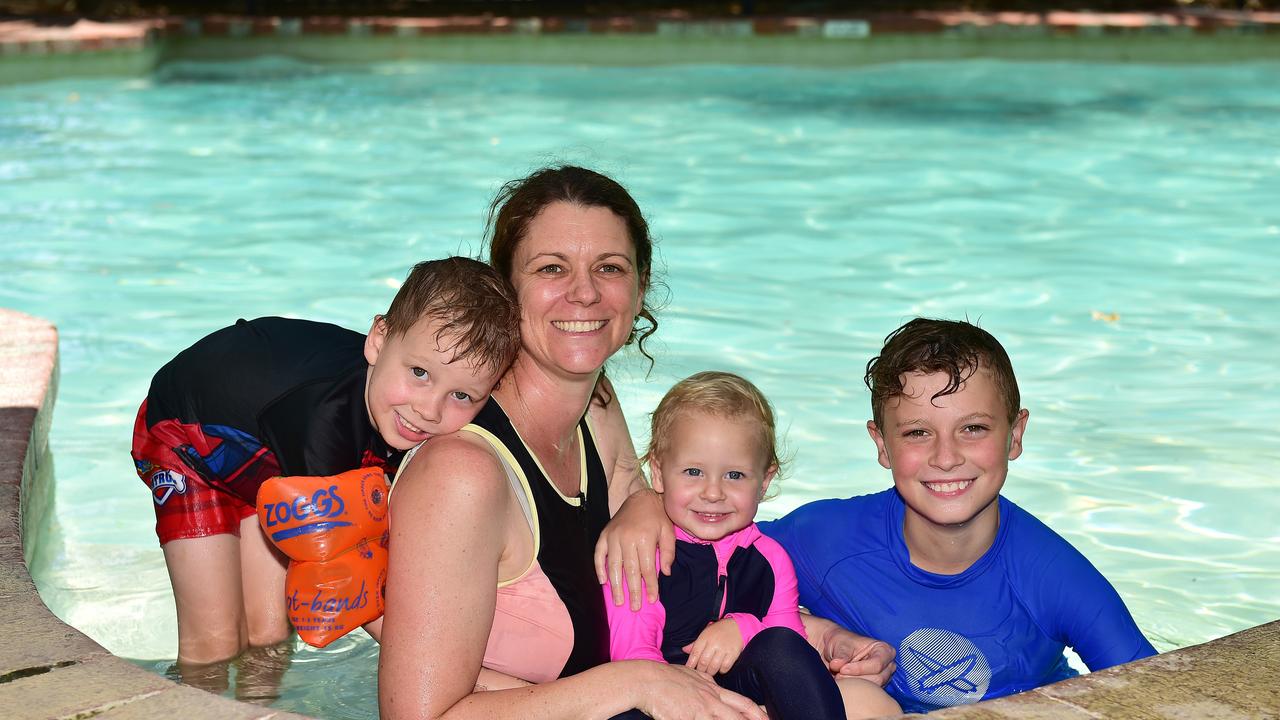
pixel 1115 226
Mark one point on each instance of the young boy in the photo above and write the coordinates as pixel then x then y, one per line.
pixel 275 396
pixel 978 596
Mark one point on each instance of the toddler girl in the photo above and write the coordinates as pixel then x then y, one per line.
pixel 729 607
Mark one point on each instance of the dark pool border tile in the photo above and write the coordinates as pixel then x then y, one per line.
pixel 19 38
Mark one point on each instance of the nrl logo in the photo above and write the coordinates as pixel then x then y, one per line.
pixel 165 483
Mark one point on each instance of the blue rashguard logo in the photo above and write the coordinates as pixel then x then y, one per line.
pixel 943 669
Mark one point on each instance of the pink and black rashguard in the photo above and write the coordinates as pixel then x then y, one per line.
pixel 748 577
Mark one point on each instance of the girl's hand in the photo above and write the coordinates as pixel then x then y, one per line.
pixel 628 544
pixel 716 649
pixel 679 693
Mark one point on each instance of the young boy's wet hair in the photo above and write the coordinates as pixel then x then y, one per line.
pixel 954 347
pixel 716 393
pixel 474 306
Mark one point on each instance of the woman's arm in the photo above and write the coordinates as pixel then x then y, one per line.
pixel 450 518
pixel 617 451
pixel 640 526
pixel 488 679
pixel 441 578
pixel 849 654
pixel 638 533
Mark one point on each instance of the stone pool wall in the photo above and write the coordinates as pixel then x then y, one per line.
pixel 47 668
pixel 51 670
pixel 30 51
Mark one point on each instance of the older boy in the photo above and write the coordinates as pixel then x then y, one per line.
pixel 275 396
pixel 978 596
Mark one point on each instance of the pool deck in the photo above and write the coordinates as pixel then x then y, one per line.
pixel 34 51
pixel 51 670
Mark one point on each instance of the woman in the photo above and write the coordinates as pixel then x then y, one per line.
pixel 517 500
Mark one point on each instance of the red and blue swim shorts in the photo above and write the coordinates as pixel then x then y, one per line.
pixel 203 478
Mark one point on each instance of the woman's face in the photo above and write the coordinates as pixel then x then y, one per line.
pixel 580 290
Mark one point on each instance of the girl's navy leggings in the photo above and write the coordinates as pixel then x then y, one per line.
pixel 780 670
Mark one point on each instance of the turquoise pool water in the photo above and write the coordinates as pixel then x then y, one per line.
pixel 1115 226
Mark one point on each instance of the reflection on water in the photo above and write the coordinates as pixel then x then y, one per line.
pixel 255 676
pixel 259 671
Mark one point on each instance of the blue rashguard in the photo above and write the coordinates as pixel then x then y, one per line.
pixel 995 629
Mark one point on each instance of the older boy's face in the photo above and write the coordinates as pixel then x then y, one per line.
pixel 416 389
pixel 949 456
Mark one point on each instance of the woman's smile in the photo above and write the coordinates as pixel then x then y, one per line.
pixel 579 326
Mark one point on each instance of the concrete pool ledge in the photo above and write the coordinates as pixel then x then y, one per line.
pixel 1230 678
pixel 51 670
pixel 47 668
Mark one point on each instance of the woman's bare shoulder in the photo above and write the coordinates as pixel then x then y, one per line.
pixel 461 462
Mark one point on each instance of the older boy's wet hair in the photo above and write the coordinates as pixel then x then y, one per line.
pixel 956 348
pixel 717 393
pixel 474 306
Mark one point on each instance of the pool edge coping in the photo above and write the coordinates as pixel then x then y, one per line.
pixel 48 668
pixel 43 660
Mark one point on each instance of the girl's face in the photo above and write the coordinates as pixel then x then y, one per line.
pixel 713 473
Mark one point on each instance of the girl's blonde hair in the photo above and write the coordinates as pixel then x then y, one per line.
pixel 718 393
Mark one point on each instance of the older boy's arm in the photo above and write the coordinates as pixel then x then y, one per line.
pixel 1090 616
pixel 849 654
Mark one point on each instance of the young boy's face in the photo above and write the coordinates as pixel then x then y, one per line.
pixel 949 456
pixel 712 475
pixel 416 389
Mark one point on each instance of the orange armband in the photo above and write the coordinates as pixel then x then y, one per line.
pixel 327 600
pixel 316 518
pixel 334 530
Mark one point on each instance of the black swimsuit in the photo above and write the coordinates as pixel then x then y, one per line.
pixel 568 530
